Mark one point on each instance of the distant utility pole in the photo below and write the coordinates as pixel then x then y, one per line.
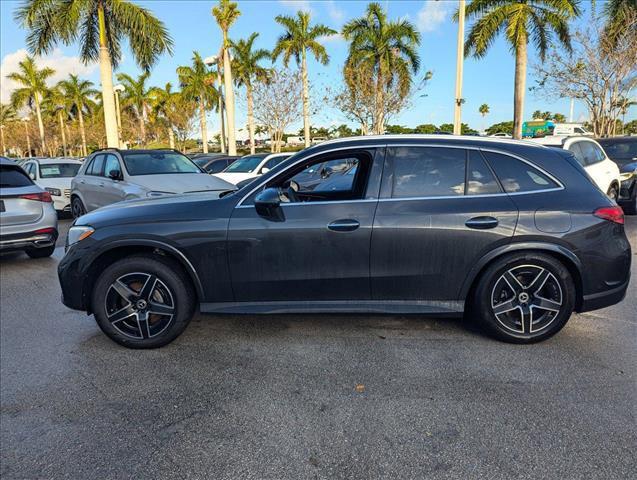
pixel 457 111
pixel 570 115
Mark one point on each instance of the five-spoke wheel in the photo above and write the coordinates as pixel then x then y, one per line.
pixel 143 301
pixel 524 297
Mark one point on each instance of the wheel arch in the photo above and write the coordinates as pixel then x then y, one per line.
pixel 560 253
pixel 119 250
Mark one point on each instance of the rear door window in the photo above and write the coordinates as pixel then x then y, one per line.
pixel 427 171
pixel 577 151
pixel 518 176
pixel 591 153
pixel 97 166
pixel 12 177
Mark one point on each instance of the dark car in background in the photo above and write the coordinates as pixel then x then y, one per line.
pixel 623 151
pixel 514 235
pixel 214 163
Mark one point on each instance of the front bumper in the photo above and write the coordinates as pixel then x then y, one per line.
pixel 72 275
pixel 22 241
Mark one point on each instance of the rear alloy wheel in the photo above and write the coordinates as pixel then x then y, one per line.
pixel 143 301
pixel 525 298
pixel 613 193
pixel 77 208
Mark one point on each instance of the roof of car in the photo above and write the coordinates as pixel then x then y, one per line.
pixel 558 140
pixel 7 161
pixel 622 139
pixel 48 161
pixel 438 138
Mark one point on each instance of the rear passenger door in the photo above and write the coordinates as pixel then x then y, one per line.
pixel 441 209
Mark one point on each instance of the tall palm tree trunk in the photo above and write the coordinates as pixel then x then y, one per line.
pixel 377 127
pixel 38 114
pixel 227 77
pixel 106 78
pixel 250 116
pixel 171 137
pixel 220 102
pixel 83 132
pixel 26 131
pixel 142 124
pixel 306 101
pixel 4 148
pixel 520 86
pixel 61 120
pixel 202 124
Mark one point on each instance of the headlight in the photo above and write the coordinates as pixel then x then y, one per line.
pixel 78 233
pixel 158 194
pixel 54 191
pixel 627 175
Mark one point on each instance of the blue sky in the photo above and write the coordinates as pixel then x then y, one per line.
pixel 489 80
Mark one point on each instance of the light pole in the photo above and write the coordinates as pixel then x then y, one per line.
pixel 212 61
pixel 26 131
pixel 118 114
pixel 457 111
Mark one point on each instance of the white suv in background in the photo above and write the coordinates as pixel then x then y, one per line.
pixel 592 157
pixel 251 166
pixel 54 175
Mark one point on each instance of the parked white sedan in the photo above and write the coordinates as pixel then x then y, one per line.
pixel 592 157
pixel 251 166
pixel 54 175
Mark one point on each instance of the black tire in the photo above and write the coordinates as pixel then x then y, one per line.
pixel 613 193
pixel 77 207
pixel 141 327
pixel 40 252
pixel 497 291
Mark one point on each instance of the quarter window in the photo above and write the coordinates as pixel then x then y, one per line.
pixel 591 153
pixel 516 175
pixel 96 166
pixel 427 171
pixel 577 151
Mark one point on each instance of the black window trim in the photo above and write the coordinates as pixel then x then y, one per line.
pixel 400 144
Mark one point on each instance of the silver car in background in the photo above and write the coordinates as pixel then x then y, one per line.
pixel 112 175
pixel 28 220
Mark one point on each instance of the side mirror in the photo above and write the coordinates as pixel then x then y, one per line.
pixel 268 204
pixel 32 176
pixel 115 175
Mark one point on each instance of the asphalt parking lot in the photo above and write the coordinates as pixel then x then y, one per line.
pixel 311 396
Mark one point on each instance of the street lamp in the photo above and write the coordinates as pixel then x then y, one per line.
pixel 211 61
pixel 26 130
pixel 118 88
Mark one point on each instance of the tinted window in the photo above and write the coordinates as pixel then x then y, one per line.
pixel 427 171
pixel 96 167
pixel 273 162
pixel 480 178
pixel 11 177
pixel 246 164
pixel 216 166
pixel 622 151
pixel 28 168
pixel 333 175
pixel 156 163
pixel 111 164
pixel 577 151
pixel 517 176
pixel 59 170
pixel 591 153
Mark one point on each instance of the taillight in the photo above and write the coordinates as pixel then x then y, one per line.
pixel 38 197
pixel 44 231
pixel 612 214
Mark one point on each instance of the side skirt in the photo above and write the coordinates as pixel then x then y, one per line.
pixel 438 308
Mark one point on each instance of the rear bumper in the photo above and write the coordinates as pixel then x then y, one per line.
pixel 21 241
pixel 599 300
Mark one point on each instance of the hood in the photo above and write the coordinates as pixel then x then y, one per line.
pixel 182 183
pixel 234 177
pixel 628 167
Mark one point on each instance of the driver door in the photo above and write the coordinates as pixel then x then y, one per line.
pixel 317 246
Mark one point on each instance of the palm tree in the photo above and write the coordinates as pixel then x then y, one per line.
pixel 623 104
pixel 196 84
pixel 521 21
pixel 79 94
pixel 33 90
pixel 7 115
pixel 164 102
pixel 56 103
pixel 246 65
pixel 616 13
pixel 136 98
pixel 99 26
pixel 386 50
pixel 484 109
pixel 299 37
pixel 226 14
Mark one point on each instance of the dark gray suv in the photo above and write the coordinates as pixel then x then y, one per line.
pixel 513 234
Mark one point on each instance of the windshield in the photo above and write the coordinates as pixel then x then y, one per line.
pixel 201 161
pixel 59 170
pixel 626 151
pixel 158 163
pixel 245 164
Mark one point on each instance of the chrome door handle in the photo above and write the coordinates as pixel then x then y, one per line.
pixel 482 223
pixel 345 225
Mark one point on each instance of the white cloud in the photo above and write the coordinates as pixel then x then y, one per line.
pixel 337 37
pixel 62 65
pixel 433 14
pixel 334 12
pixel 297 5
